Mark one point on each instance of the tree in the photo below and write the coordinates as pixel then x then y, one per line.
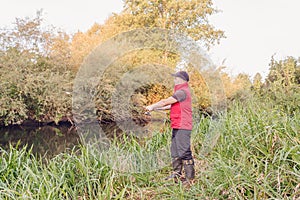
pixel 83 43
pixel 59 55
pixel 227 82
pixel 283 83
pixel 257 82
pixel 241 86
pixel 283 72
pixel 297 72
pixel 188 17
pixel 35 80
pixel 242 81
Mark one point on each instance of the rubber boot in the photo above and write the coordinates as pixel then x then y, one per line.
pixel 189 170
pixel 177 169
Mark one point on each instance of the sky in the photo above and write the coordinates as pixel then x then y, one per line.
pixel 255 29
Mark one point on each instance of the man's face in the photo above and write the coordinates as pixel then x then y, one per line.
pixel 177 80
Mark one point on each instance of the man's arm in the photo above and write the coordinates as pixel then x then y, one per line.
pixel 161 104
pixel 168 107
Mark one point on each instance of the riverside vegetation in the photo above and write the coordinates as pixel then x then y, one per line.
pixel 249 151
pixel 253 154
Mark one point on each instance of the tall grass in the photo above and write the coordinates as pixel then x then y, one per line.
pixel 257 154
pixel 250 152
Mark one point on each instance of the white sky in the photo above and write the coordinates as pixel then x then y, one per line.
pixel 255 29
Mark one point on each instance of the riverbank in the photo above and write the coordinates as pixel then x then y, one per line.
pixel 254 154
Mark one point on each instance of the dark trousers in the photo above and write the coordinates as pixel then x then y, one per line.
pixel 181 144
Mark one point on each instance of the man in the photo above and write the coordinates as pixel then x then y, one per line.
pixel 181 123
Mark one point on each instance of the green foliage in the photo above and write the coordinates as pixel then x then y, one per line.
pixel 249 152
pixel 282 84
pixel 284 72
pixel 188 17
pixel 242 85
pixel 254 157
pixel 257 83
pixel 38 62
pixel 67 176
pixel 34 82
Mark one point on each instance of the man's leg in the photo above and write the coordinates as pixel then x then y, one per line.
pixel 176 160
pixel 189 169
pixel 183 142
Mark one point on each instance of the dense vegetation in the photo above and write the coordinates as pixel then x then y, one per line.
pixel 251 150
pixel 39 63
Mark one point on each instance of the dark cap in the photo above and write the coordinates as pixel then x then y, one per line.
pixel 182 74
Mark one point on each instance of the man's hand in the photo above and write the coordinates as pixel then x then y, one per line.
pixel 149 108
pixel 161 104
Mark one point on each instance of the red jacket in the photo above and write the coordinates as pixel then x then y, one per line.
pixel 181 112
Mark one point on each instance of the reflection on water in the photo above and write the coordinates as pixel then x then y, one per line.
pixel 45 141
pixel 48 141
